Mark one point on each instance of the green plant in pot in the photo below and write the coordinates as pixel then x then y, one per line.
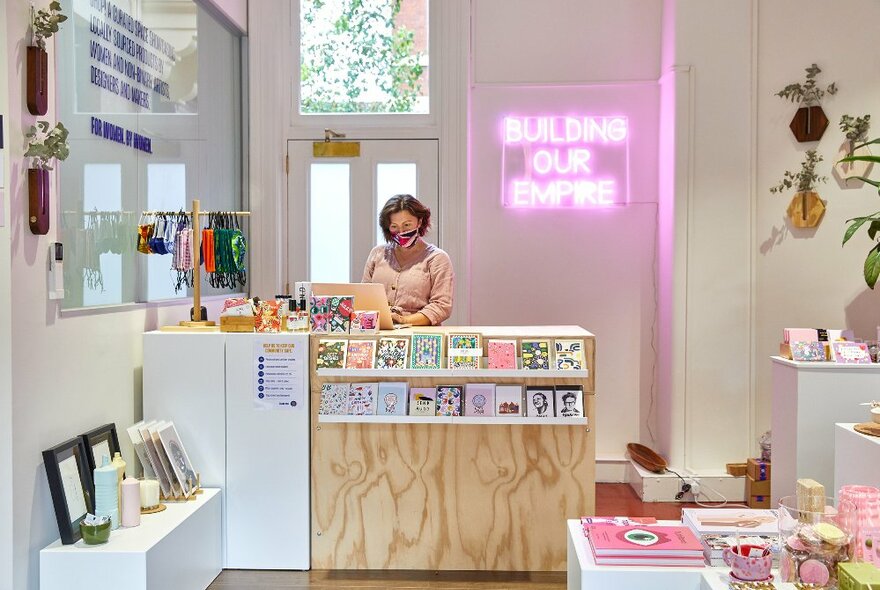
pixel 45 143
pixel 810 122
pixel 806 208
pixel 45 23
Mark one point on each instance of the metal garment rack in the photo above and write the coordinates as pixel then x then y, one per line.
pixel 197 320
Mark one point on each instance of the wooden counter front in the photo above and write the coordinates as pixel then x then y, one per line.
pixel 451 496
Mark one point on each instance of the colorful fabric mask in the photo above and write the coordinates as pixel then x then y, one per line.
pixel 406 239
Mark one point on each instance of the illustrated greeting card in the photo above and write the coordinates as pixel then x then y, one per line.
pixel 334 399
pixel 539 402
pixel 853 353
pixel 331 354
pixel 808 351
pixel 421 401
pixel 319 314
pixel 479 399
pixel 464 351
pixel 361 354
pixel 569 401
pixel 502 354
pixel 339 319
pixel 392 353
pixel 536 354
pixel 362 399
pixel 392 399
pixel 449 400
pixel 508 400
pixel 365 322
pixel 427 351
pixel 570 355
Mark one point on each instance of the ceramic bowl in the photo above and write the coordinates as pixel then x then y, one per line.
pixel 95 535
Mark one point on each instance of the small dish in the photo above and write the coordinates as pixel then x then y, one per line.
pixel 734 578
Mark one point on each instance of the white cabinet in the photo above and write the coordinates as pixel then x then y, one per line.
pixel 856 457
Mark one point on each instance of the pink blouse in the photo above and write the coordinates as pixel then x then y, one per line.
pixel 423 286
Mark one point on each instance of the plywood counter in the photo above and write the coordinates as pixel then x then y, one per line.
pixel 451 494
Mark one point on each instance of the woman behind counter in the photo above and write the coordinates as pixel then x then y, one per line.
pixel 418 276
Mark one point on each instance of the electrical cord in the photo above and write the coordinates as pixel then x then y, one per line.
pixel 685 486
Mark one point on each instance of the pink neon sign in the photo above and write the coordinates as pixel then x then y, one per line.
pixel 565 162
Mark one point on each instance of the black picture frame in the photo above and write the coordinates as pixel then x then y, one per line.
pixel 64 476
pixel 96 436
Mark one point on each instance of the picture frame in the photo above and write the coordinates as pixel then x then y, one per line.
pixel 70 483
pixel 178 458
pixel 99 441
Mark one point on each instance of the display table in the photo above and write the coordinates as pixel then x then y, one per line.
pixel 808 399
pixel 856 457
pixel 178 548
pixel 451 493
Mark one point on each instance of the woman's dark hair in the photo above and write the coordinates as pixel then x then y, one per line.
pixel 407 203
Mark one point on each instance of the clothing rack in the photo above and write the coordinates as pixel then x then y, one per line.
pixel 197 320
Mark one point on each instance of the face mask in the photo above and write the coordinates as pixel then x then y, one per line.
pixel 406 239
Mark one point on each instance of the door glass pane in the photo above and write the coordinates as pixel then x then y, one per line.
pixel 95 246
pixel 166 191
pixel 329 223
pixel 363 57
pixel 393 179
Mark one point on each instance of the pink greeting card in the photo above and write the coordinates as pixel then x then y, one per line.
pixel 502 354
pixel 851 353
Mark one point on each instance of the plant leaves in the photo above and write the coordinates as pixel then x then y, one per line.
pixel 873 228
pixel 871 158
pixel 874 183
pixel 872 266
pixel 854 227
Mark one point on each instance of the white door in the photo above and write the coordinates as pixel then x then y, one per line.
pixel 334 204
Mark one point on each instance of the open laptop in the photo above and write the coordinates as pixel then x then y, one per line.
pixel 367 296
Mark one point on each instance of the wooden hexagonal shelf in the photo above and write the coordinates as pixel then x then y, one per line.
pixel 806 209
pixel 809 124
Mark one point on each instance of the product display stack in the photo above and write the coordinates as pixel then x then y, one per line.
pixel 644 544
pixel 758 483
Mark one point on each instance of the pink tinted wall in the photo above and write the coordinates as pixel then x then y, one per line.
pixel 590 267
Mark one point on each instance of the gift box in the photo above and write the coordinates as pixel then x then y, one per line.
pixel 737 469
pixel 757 488
pixel 759 502
pixel 757 469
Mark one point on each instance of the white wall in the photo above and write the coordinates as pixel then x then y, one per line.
pixel 234 12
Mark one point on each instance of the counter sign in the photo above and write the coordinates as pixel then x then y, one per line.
pixel 565 162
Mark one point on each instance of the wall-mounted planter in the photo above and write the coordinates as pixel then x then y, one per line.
pixel 37 80
pixel 809 124
pixel 806 209
pixel 844 170
pixel 38 201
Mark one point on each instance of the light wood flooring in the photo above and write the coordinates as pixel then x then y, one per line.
pixel 611 500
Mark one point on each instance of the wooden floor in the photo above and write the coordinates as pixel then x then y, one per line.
pixel 611 500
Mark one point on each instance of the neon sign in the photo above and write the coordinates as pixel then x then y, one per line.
pixel 565 162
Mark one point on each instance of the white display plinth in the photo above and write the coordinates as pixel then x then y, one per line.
pixel 177 548
pixel 808 399
pixel 856 457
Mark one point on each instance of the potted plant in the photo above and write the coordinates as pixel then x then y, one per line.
pixel 44 24
pixel 809 122
pixel 44 144
pixel 806 208
pixel 855 129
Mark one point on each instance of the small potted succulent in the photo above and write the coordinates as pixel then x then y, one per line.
pixel 809 122
pixel 855 129
pixel 45 143
pixel 806 208
pixel 45 23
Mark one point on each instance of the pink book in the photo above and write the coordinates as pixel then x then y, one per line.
pixel 609 540
pixel 851 353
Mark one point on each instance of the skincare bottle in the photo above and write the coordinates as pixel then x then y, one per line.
pixel 302 316
pixel 119 464
pixel 106 495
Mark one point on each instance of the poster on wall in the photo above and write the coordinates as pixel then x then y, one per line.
pixel 278 374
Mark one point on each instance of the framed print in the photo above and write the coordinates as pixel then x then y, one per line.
pixel 99 442
pixel 180 462
pixel 152 454
pixel 176 489
pixel 70 482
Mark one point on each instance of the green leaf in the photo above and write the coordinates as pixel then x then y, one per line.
pixel 872 266
pixel 854 227
pixel 860 159
pixel 873 228
pixel 874 183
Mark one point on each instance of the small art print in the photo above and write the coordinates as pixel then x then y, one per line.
pixel 539 402
pixel 392 353
pixel 421 401
pixel 319 314
pixel 362 399
pixel 331 354
pixel 508 400
pixel 569 401
pixel 479 399
pixel 392 399
pixel 334 399
pixel 569 355
pixel 536 354
pixel 464 351
pixel 426 351
pixel 361 354
pixel 502 354
pixel 808 351
pixel 365 322
pixel 852 353
pixel 449 400
pixel 341 308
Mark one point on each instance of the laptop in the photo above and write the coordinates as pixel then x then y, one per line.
pixel 367 297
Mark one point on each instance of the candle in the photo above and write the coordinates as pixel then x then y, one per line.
pixel 131 502
pixel 149 493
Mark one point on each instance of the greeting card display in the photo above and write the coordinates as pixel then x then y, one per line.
pixel 853 353
pixel 331 354
pixel 340 310
pixel 362 399
pixel 808 351
pixel 464 351
pixel 334 399
pixel 570 355
pixel 508 400
pixel 479 399
pixel 501 354
pixel 569 401
pixel 392 353
pixel 421 401
pixel 536 355
pixel 361 354
pixel 365 322
pixel 319 314
pixel 427 351
pixel 539 402
pixel 392 399
pixel 449 400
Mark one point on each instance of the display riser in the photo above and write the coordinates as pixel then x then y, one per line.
pixel 657 487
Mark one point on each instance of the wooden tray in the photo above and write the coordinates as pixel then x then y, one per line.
pixel 646 457
pixel 237 323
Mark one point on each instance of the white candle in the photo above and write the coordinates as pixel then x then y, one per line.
pixel 149 493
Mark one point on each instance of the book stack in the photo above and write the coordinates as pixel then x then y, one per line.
pixel 645 545
pixel 718 528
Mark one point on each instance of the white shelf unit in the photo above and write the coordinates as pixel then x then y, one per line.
pixel 455 373
pixel 523 421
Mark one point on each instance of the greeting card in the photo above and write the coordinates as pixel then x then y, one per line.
pixel 361 354
pixel 570 355
pixel 536 354
pixel 502 354
pixel 449 400
pixel 508 400
pixel 808 351
pixel 334 399
pixel 852 353
pixel 340 310
pixel 421 401
pixel 479 399
pixel 392 353
pixel 365 322
pixel 539 401
pixel 362 399
pixel 319 314
pixel 331 354
pixel 392 399
pixel 427 350
pixel 569 401
pixel 464 351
